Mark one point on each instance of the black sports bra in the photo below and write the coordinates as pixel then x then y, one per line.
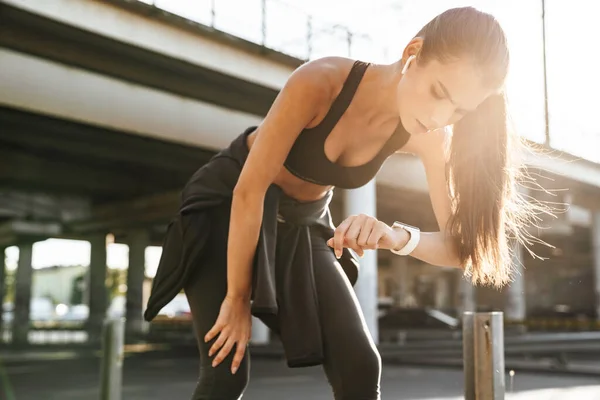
pixel 307 159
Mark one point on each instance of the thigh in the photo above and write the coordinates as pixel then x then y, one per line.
pixel 205 292
pixel 352 363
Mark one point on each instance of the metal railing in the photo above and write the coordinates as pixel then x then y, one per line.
pixel 276 25
pixel 283 27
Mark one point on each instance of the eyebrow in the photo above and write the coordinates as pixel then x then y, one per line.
pixel 447 94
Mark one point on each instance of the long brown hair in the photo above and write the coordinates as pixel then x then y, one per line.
pixel 488 211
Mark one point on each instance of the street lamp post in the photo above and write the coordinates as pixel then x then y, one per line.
pixel 546 117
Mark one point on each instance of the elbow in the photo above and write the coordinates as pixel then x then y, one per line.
pixel 246 195
pixel 454 262
pixel 452 253
pixel 449 261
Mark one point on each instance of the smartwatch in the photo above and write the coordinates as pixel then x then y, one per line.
pixel 415 236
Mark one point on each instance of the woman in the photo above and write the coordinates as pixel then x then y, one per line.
pixel 254 235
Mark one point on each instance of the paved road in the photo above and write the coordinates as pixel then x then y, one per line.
pixel 167 375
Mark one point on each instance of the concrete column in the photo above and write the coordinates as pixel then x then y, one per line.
pixel 596 256
pixel 2 291
pixel 442 291
pixel 405 278
pixel 515 292
pixel 23 280
pixel 401 273
pixel 364 201
pixel 97 287
pixel 136 273
pixel 260 332
pixel 466 294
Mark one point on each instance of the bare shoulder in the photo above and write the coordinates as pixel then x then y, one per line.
pixel 323 76
pixel 310 89
pixel 429 147
pixel 331 68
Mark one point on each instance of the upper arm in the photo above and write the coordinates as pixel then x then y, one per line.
pixel 296 105
pixel 430 148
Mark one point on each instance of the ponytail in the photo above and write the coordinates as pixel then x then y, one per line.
pixel 481 184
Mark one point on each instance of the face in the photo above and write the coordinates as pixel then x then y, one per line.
pixel 435 95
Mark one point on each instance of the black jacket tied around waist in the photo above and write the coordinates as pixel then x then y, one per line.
pixel 283 287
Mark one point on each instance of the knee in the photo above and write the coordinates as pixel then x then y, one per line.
pixel 362 376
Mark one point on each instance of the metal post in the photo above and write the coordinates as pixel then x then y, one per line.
pixel 264 22
pixel 545 68
pixel 111 373
pixel 213 15
pixel 3 287
pixel 349 40
pixel 309 36
pixel 483 354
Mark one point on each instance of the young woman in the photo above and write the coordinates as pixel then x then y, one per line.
pixel 254 235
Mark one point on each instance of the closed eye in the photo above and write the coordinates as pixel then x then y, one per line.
pixel 446 95
pixel 436 94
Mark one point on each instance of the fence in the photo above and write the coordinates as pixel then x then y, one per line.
pixel 276 25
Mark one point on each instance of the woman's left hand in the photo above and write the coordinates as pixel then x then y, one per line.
pixel 362 232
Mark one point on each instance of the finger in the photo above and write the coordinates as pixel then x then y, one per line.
pixel 223 352
pixel 338 236
pixel 375 237
pixel 359 251
pixel 240 352
pixel 352 245
pixel 360 221
pixel 365 232
pixel 217 327
pixel 353 231
pixel 218 343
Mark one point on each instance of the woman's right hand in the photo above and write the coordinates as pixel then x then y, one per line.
pixel 233 326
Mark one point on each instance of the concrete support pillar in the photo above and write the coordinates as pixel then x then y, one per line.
pixel 515 302
pixel 136 272
pixel 97 287
pixel 2 291
pixel 23 281
pixel 467 300
pixel 364 201
pixel 404 296
pixel 596 256
pixel 442 291
pixel 260 332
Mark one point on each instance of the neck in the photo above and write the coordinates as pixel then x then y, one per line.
pixel 385 83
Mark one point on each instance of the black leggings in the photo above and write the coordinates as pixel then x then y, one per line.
pixel 352 363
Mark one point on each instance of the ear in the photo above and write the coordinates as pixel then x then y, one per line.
pixel 407 64
pixel 412 49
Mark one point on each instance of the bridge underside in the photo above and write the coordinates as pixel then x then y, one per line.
pixel 101 134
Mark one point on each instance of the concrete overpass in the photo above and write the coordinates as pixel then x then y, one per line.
pixel 107 107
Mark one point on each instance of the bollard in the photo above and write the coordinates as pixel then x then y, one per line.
pixel 483 355
pixel 111 370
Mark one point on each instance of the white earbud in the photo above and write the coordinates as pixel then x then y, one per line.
pixel 405 68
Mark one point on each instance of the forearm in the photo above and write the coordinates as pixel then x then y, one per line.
pixel 436 248
pixel 244 228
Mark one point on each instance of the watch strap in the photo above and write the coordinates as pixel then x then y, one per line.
pixel 415 236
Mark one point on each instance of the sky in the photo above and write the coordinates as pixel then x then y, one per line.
pixel 382 28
